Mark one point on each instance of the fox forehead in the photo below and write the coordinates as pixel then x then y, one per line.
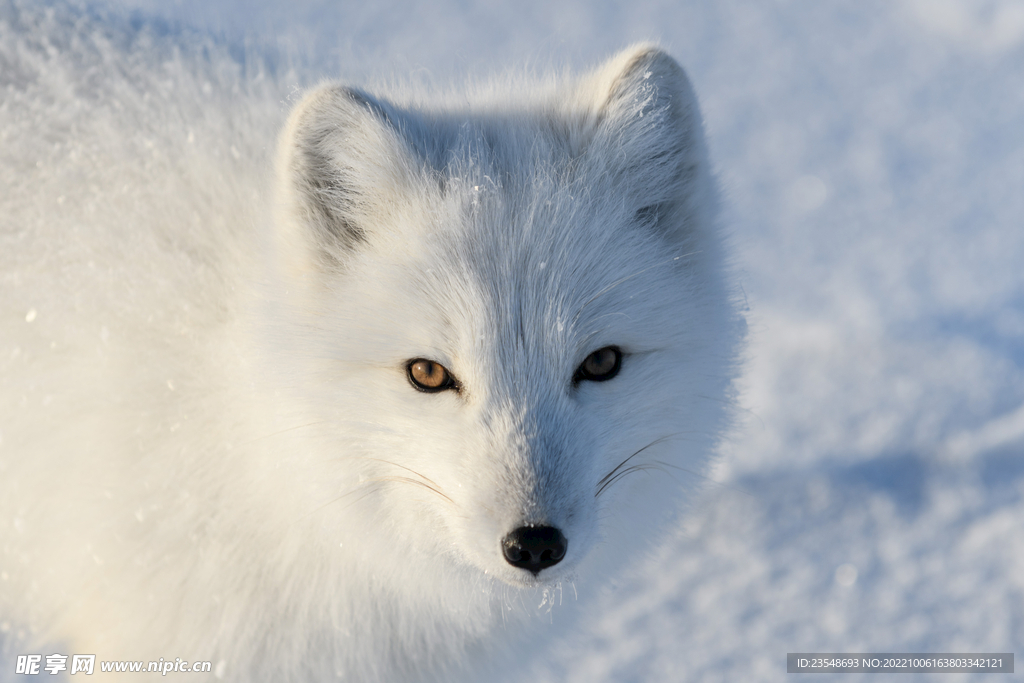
pixel 536 230
pixel 518 279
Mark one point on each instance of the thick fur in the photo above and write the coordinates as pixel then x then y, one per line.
pixel 209 448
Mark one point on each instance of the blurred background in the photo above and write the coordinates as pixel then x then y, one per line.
pixel 871 154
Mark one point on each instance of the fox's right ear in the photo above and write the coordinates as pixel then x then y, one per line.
pixel 343 165
pixel 650 139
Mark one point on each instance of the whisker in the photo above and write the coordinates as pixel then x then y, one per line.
pixel 621 464
pixel 417 482
pixel 428 484
pixel 618 472
pixel 633 468
pixel 407 469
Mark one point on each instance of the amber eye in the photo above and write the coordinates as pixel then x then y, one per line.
pixel 426 375
pixel 599 366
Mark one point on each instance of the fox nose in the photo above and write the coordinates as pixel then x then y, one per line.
pixel 534 547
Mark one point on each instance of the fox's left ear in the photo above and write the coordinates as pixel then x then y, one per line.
pixel 648 129
pixel 345 169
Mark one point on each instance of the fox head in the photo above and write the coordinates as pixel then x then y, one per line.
pixel 515 332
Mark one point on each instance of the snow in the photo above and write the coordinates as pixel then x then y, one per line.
pixel 872 158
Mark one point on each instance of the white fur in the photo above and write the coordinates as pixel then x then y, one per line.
pixel 209 448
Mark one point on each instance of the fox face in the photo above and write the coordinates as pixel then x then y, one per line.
pixel 518 318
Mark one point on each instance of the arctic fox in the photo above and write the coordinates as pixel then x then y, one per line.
pixel 379 405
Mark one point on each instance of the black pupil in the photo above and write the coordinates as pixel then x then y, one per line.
pixel 601 362
pixel 430 374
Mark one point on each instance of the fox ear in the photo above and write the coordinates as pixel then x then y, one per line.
pixel 648 119
pixel 343 166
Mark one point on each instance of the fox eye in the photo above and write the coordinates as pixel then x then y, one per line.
pixel 600 366
pixel 428 376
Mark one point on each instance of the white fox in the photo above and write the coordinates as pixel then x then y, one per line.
pixel 462 361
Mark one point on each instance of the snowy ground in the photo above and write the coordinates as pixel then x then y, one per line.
pixel 872 155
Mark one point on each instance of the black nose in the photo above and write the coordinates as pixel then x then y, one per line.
pixel 534 547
